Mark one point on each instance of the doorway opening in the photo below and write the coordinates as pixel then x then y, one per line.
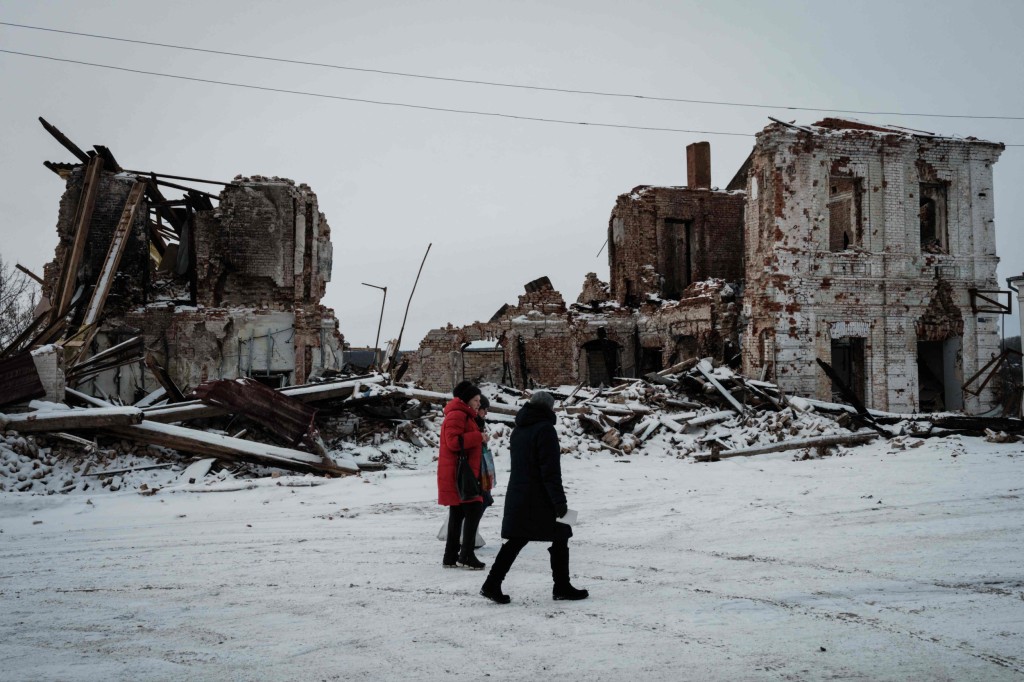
pixel 939 375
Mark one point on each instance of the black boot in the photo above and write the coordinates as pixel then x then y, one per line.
pixel 563 589
pixel 499 569
pixel 467 559
pixel 451 543
pixel 492 590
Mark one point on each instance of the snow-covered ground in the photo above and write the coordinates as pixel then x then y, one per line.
pixel 879 564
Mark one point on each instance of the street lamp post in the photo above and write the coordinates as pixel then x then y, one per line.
pixel 376 343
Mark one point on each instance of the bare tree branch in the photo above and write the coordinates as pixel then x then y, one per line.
pixel 18 297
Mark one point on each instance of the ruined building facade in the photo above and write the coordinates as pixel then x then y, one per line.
pixel 866 247
pixel 675 255
pixel 215 291
pixel 863 247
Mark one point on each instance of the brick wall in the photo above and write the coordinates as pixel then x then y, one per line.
pixel 267 244
pixel 686 235
pixel 263 258
pixel 803 289
pixel 129 284
pixel 545 344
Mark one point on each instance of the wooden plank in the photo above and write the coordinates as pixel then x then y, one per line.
pixel 83 219
pixel 86 399
pixel 132 347
pixel 63 139
pixel 225 447
pixel 704 368
pixel 181 177
pixel 174 394
pixel 126 471
pixel 28 272
pixel 795 444
pixel 114 254
pixel 307 393
pixel 183 188
pixel 78 345
pixel 68 420
pixel 109 161
pixel 711 418
pixel 444 398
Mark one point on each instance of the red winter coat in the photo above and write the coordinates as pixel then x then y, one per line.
pixel 459 420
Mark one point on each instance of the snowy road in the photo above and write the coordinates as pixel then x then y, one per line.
pixel 877 565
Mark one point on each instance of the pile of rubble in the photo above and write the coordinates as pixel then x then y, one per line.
pixel 239 429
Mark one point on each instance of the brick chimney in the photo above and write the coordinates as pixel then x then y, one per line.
pixel 698 165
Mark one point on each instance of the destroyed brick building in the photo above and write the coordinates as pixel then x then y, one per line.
pixel 868 248
pixel 675 255
pixel 871 248
pixel 207 286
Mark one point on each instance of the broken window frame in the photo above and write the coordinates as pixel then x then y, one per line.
pixel 679 270
pixel 935 237
pixel 851 191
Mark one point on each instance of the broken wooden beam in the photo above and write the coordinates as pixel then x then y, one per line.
pixel 109 161
pixel 711 418
pixel 71 419
pixel 83 219
pixel 163 378
pixel 704 367
pixel 124 353
pixel 333 390
pixel 181 177
pixel 684 366
pixel 445 398
pixel 63 139
pixel 117 245
pixel 794 444
pixel 225 447
pixel 28 272
pixel 113 472
pixel 183 188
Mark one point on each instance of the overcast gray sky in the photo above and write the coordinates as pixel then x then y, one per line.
pixel 503 201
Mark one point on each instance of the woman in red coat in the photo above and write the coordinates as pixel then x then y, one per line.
pixel 463 515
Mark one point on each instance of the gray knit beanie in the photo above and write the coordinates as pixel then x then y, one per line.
pixel 543 399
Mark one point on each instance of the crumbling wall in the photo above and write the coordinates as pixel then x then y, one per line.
pixel 268 245
pixel 806 288
pixel 686 235
pixel 262 261
pixel 544 344
pixel 129 285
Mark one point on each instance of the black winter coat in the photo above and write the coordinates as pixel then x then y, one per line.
pixel 535 484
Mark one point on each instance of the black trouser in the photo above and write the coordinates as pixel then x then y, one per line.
pixel 465 518
pixel 559 552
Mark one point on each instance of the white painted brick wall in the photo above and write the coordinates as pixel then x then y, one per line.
pixel 797 287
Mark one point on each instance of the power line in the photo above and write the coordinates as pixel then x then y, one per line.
pixel 405 105
pixel 265 88
pixel 519 86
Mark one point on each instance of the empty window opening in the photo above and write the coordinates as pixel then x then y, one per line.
pixel 602 361
pixel 686 348
pixel 679 270
pixel 650 360
pixel 848 362
pixel 273 379
pixel 939 375
pixel 844 228
pixel 483 361
pixel 932 217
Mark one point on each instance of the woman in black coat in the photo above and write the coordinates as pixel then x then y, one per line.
pixel 534 498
